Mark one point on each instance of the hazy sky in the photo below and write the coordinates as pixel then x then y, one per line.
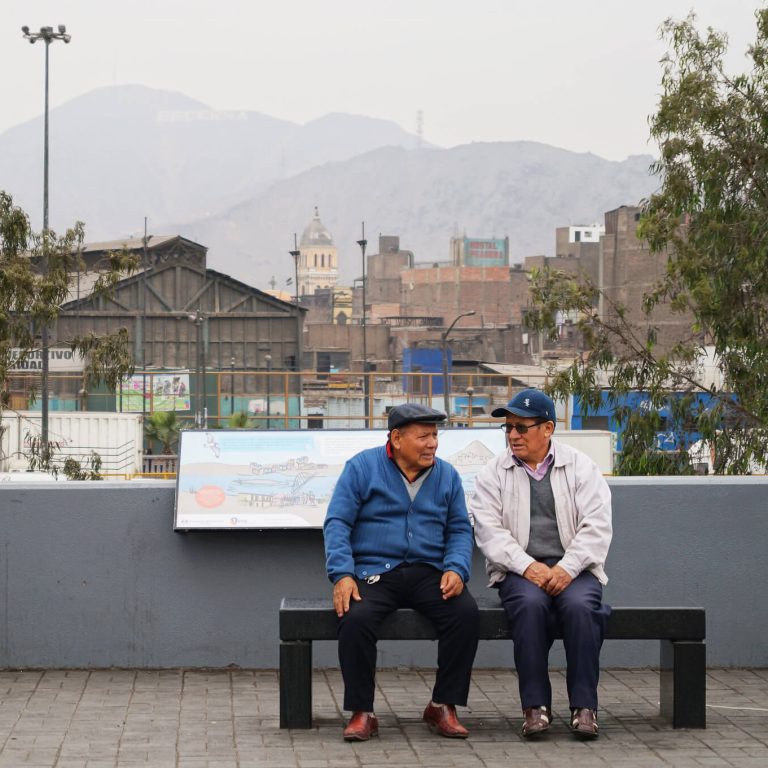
pixel 581 75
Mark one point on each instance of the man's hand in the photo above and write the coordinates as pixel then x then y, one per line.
pixel 559 579
pixel 539 574
pixel 451 585
pixel 344 590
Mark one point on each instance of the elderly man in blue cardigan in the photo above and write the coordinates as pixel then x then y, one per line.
pixel 397 535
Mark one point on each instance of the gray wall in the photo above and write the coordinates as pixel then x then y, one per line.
pixel 93 575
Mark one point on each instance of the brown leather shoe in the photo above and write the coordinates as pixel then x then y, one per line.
pixel 443 719
pixel 536 720
pixel 362 726
pixel 584 723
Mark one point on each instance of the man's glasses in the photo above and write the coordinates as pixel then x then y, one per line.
pixel 521 429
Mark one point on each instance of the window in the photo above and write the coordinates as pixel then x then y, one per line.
pixel 323 364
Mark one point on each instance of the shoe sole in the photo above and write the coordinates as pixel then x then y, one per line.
pixel 534 734
pixel 584 735
pixel 435 729
pixel 360 738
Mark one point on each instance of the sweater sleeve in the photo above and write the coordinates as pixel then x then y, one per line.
pixel 458 530
pixel 340 519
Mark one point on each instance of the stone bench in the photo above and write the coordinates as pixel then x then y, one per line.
pixel 681 632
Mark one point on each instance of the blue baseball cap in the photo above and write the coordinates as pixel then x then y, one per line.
pixel 530 404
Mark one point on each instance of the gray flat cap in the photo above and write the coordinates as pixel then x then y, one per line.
pixel 413 413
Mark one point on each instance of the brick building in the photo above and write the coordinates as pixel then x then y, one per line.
pixel 630 270
pixel 450 290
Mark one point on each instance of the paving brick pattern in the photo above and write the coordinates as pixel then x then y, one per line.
pixel 229 719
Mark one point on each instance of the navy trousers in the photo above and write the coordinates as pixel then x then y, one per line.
pixel 534 617
pixel 414 586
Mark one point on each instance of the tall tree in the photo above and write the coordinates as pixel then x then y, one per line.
pixel 35 274
pixel 710 217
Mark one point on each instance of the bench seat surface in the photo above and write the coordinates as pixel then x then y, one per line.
pixel 314 619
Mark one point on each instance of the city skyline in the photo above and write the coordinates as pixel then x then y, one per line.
pixel 584 77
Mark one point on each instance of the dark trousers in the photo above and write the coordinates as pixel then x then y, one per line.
pixel 534 617
pixel 414 586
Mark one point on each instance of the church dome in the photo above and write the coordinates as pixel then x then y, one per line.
pixel 316 234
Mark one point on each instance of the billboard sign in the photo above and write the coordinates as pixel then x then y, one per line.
pixel 154 392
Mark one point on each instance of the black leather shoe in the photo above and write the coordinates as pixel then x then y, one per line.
pixel 362 726
pixel 584 723
pixel 536 720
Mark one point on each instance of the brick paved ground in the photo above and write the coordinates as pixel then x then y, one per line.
pixel 229 719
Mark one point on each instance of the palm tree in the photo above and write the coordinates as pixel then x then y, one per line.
pixel 163 427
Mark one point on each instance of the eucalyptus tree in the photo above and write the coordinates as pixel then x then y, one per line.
pixel 710 217
pixel 36 272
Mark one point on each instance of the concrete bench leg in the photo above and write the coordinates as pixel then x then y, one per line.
pixel 683 694
pixel 296 684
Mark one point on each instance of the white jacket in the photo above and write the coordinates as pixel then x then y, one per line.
pixel 501 506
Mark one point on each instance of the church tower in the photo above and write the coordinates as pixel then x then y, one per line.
pixel 318 262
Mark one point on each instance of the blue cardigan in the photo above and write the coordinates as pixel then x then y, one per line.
pixel 372 526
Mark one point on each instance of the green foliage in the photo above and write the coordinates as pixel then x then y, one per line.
pixel 239 420
pixel 42 457
pixel 710 217
pixel 74 470
pixel 163 427
pixel 35 276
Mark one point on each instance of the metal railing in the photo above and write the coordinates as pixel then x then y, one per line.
pixel 281 399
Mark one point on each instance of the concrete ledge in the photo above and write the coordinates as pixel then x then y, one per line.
pixel 92 575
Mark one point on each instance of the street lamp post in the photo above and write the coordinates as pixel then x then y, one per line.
pixel 268 358
pixel 198 318
pixel 444 345
pixel 47 35
pixel 143 325
pixel 470 392
pixel 296 253
pixel 231 386
pixel 362 242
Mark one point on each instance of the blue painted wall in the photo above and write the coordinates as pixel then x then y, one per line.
pixel 425 361
pixel 673 437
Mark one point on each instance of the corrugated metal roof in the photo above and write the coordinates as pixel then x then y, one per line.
pixel 81 289
pixel 517 371
pixel 132 243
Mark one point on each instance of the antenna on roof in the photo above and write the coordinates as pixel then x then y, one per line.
pixel 419 129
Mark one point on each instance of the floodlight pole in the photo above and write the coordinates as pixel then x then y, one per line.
pixel 47 35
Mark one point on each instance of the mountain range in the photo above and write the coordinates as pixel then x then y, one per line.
pixel 242 183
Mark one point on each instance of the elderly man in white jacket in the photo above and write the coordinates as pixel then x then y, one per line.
pixel 542 515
